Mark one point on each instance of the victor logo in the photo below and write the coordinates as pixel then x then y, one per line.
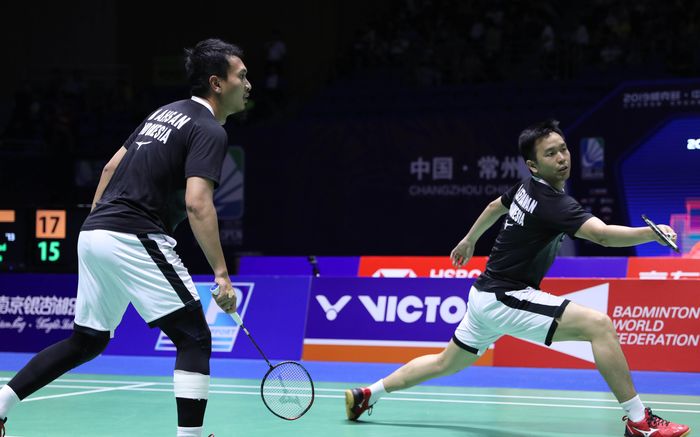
pixel 332 310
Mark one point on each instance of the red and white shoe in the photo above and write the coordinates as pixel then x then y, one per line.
pixel 654 426
pixel 357 402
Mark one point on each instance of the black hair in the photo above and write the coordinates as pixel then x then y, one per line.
pixel 208 57
pixel 531 134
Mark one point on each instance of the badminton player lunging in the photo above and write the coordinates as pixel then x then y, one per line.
pixel 166 170
pixel 506 298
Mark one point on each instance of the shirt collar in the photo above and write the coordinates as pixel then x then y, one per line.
pixel 203 102
pixel 542 181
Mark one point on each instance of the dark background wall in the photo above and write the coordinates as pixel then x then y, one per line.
pixel 367 89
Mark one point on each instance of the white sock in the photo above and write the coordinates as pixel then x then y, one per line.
pixel 634 409
pixel 8 399
pixel 377 389
pixel 189 432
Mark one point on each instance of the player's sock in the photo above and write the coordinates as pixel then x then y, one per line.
pixel 183 431
pixel 377 389
pixel 634 409
pixel 8 399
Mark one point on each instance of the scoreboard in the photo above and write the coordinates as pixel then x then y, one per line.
pixel 40 239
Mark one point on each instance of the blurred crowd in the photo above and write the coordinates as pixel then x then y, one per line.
pixel 423 42
pixel 437 42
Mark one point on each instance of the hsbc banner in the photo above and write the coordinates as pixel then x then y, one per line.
pixel 35 310
pixel 441 267
pixel 419 267
pixel 387 319
pixel 658 323
pixel 663 268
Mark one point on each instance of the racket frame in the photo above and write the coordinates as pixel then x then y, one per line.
pixel 670 243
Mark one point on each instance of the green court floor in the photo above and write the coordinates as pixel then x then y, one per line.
pixel 79 405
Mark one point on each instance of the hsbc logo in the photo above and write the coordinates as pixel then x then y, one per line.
pixel 394 273
pixel 693 144
pixel 434 273
pixel 455 273
pixel 407 309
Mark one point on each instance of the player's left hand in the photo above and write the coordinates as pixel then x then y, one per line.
pixel 461 254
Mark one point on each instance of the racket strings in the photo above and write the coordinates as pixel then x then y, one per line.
pixel 287 390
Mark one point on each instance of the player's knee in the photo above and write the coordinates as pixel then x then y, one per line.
pixel 192 338
pixel 601 326
pixel 446 365
pixel 90 342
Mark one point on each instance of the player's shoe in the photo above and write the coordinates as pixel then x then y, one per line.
pixel 357 402
pixel 2 427
pixel 654 426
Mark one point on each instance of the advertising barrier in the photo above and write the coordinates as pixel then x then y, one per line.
pixel 658 323
pixel 373 319
pixel 663 268
pixel 383 319
pixel 419 267
pixel 38 310
pixel 35 310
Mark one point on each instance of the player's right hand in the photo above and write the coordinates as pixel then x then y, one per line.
pixel 668 231
pixel 226 298
pixel 461 254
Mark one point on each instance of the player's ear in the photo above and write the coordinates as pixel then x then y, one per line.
pixel 215 84
pixel 532 165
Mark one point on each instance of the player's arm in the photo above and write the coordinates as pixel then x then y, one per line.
pixel 201 212
pixel 106 175
pixel 465 248
pixel 595 230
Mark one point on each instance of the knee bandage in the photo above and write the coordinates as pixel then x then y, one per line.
pixel 191 385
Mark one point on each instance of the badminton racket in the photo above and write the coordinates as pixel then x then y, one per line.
pixel 670 243
pixel 287 389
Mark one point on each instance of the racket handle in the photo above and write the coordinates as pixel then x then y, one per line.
pixel 236 318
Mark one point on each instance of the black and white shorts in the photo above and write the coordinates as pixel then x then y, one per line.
pixel 117 268
pixel 528 314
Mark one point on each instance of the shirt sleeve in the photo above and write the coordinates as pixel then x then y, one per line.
pixel 129 141
pixel 507 197
pixel 568 216
pixel 206 152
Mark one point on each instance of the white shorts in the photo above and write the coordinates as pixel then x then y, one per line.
pixel 529 314
pixel 115 268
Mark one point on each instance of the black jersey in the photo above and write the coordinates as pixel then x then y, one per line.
pixel 146 193
pixel 538 217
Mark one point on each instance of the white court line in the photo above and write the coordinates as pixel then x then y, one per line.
pixel 140 386
pixel 406 393
pixel 79 393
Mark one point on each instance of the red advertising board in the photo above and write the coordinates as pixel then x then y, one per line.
pixel 663 268
pixel 419 267
pixel 658 323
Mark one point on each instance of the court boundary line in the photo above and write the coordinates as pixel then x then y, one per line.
pixel 146 386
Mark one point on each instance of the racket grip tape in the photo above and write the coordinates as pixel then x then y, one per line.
pixel 235 316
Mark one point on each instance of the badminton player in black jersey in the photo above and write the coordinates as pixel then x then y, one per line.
pixel 506 298
pixel 165 171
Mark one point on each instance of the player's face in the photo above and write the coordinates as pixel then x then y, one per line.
pixel 236 88
pixel 553 160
